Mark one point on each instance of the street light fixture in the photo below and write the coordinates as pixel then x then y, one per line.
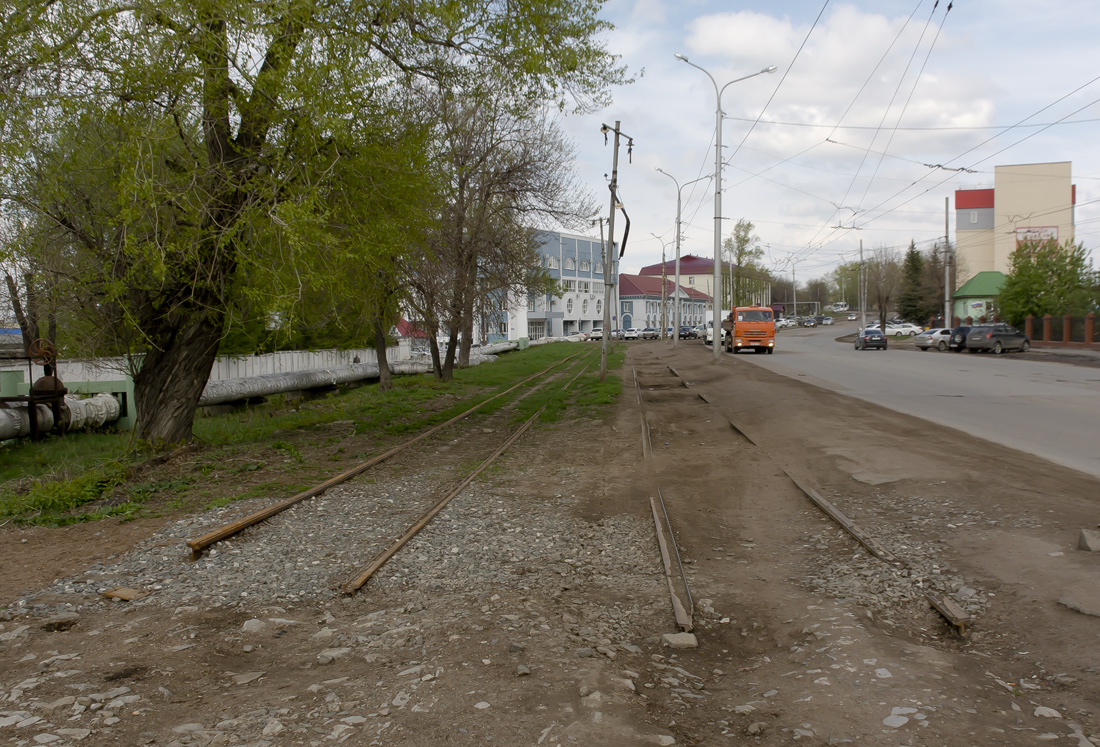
pixel 676 289
pixel 718 192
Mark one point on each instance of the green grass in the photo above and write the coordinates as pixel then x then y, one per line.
pixel 47 482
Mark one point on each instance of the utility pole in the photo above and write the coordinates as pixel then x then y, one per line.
pixel 609 279
pixel 794 284
pixel 862 290
pixel 947 315
pixel 664 284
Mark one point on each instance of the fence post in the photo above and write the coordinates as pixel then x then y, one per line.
pixel 1029 327
pixel 1067 328
pixel 1046 328
pixel 1090 329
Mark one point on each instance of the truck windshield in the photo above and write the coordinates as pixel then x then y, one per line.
pixel 754 315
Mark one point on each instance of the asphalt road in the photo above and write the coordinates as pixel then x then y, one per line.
pixel 1048 409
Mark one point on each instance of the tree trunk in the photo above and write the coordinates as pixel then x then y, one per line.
pixel 172 378
pixel 385 380
pixel 449 360
pixel 29 335
pixel 437 365
pixel 466 317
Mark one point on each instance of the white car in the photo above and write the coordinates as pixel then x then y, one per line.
pixel 632 334
pixel 596 334
pixel 827 321
pixel 575 337
pixel 903 329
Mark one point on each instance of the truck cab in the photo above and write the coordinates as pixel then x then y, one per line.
pixel 749 327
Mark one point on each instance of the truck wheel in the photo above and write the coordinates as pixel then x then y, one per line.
pixel 771 350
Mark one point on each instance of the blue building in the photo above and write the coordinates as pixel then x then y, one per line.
pixel 576 262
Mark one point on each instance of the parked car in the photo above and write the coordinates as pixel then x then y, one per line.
pixel 669 332
pixel 870 338
pixel 575 337
pixel 700 331
pixel 902 329
pixel 937 338
pixel 957 342
pixel 596 334
pixel 996 338
pixel 650 333
pixel 688 333
pixel 632 333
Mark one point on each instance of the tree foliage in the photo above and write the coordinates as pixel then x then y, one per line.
pixel 247 166
pixel 882 273
pixel 1048 278
pixel 744 257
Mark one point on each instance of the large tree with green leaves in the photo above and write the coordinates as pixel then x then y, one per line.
pixel 1048 278
pixel 182 152
pixel 744 260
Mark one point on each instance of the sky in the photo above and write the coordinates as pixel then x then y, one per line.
pixel 852 136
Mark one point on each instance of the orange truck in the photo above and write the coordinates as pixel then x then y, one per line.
pixel 749 327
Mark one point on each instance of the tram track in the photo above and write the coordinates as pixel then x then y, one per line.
pixel 375 530
pixel 199 544
pixel 806 484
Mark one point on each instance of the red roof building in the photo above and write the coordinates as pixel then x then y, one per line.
pixel 641 296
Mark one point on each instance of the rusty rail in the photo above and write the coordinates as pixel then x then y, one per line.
pixel 356 582
pixel 217 535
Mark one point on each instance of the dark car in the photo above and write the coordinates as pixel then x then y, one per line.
pixel 870 338
pixel 809 322
pixel 957 341
pixel 688 333
pixel 996 338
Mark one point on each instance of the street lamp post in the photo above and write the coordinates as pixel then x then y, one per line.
pixel 676 289
pixel 718 193
pixel 664 284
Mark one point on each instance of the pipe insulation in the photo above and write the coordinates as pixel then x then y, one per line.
pixel 92 412
pixel 234 390
pixel 15 421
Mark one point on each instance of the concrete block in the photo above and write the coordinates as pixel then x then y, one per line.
pixel 1089 540
pixel 680 640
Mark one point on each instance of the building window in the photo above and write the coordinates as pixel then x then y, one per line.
pixel 504 328
pixel 570 286
pixel 585 265
pixel 584 307
pixel 569 306
pixel 599 267
pixel 551 262
pixel 585 286
pixel 599 308
pixel 530 304
pixel 570 264
pixel 691 280
pixel 973 216
pixel 628 307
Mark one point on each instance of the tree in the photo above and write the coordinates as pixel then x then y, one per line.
pixel 743 256
pixel 507 169
pixel 818 291
pixel 912 302
pixel 1048 278
pixel 882 276
pixel 206 131
pixel 845 280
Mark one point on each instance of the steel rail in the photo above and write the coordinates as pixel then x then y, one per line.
pixel 684 617
pixel 224 532
pixel 357 581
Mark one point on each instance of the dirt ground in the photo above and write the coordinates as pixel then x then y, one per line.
pixel 802 636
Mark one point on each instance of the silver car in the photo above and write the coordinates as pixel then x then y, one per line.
pixel 936 337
